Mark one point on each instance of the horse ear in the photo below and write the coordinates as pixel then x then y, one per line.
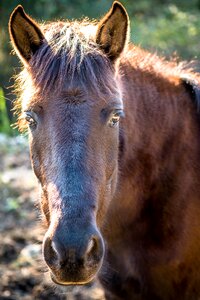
pixel 113 31
pixel 25 34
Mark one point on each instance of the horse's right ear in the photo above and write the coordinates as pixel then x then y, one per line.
pixel 25 34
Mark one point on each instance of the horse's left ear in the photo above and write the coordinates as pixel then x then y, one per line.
pixel 25 34
pixel 113 31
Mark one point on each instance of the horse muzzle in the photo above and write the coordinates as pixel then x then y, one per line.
pixel 73 260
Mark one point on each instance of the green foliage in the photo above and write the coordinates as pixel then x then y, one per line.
pixel 4 120
pixel 172 30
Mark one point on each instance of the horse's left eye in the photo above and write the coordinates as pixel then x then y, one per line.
pixel 115 118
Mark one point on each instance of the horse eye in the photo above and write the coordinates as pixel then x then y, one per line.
pixel 115 118
pixel 30 120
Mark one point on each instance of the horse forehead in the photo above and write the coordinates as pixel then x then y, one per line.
pixel 73 96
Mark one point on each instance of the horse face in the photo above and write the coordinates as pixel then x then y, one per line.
pixel 74 150
pixel 73 116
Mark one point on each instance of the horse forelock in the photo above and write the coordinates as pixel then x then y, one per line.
pixel 70 57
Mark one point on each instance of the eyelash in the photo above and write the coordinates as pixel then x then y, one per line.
pixel 28 116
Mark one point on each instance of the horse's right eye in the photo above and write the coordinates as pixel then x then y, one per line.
pixel 30 120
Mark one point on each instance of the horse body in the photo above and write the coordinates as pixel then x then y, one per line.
pixel 132 186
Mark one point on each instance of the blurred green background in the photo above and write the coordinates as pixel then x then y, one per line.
pixel 171 28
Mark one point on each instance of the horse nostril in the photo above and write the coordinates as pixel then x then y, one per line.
pixel 90 246
pixel 50 253
pixel 94 250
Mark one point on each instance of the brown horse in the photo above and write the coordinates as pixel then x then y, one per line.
pixel 121 198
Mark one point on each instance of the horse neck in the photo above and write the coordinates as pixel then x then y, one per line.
pixel 155 142
pixel 159 141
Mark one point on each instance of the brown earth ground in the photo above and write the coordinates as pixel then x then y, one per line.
pixel 23 275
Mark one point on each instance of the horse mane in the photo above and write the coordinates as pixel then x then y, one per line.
pixel 159 66
pixel 165 72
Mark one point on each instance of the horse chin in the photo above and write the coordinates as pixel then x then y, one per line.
pixel 71 285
